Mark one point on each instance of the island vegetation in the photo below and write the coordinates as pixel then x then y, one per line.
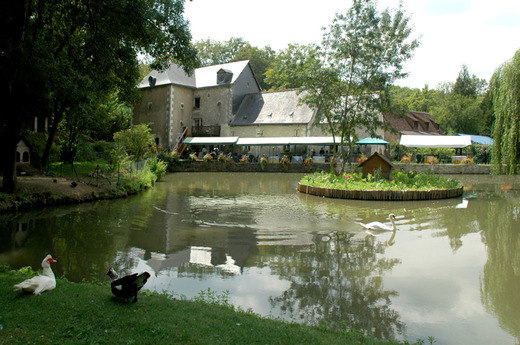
pixel 400 181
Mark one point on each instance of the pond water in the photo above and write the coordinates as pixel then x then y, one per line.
pixel 451 270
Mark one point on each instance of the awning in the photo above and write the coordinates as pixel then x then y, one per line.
pixel 479 139
pixel 279 141
pixel 439 141
pixel 372 141
pixel 210 140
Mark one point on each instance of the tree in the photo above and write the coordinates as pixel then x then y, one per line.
pixel 292 66
pixel 505 92
pixel 363 54
pixel 211 52
pixel 56 55
pixel 468 86
pixel 138 139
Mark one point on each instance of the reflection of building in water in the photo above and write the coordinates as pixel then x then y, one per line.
pixel 199 256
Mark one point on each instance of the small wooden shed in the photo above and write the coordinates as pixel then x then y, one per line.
pixel 377 161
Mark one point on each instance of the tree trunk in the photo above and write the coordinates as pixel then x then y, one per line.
pixel 11 139
pixel 50 138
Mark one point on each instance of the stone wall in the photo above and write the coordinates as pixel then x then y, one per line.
pixel 216 166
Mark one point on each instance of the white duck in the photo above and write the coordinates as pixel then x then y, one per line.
pixel 42 282
pixel 377 226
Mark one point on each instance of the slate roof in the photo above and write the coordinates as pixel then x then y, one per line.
pixel 201 78
pixel 277 107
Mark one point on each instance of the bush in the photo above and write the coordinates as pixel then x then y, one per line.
pixel 157 167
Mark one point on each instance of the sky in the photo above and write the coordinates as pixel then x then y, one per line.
pixel 481 34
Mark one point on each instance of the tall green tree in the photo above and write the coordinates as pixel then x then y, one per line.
pixel 363 53
pixel 505 92
pixel 55 55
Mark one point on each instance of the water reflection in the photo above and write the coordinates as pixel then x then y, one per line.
pixel 300 257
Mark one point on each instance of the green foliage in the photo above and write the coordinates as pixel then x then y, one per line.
pixel 86 313
pixel 348 77
pixel 400 181
pixel 505 92
pixel 69 56
pixel 138 139
pixel 157 167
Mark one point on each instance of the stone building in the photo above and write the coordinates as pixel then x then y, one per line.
pixel 226 101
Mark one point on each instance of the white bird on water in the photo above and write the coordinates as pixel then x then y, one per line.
pixel 39 283
pixel 377 226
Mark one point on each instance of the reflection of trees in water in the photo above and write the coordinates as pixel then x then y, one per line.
pixel 339 281
pixel 501 280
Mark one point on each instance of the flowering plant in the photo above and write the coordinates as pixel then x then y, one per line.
pixel 361 158
pixel 263 162
pixel 333 160
pixel 207 157
pixel 284 160
pixel 225 159
pixel 193 156
pixel 467 160
pixel 406 159
pixel 308 161
pixel 244 159
pixel 433 160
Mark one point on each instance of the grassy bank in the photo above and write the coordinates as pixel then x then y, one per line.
pixel 86 314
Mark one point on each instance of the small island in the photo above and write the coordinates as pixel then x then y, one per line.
pixel 401 186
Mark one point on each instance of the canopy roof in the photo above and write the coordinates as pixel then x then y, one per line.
pixel 210 140
pixel 270 141
pixel 372 141
pixel 439 141
pixel 277 141
pixel 479 139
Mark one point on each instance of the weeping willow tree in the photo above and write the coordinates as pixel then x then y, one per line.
pixel 505 91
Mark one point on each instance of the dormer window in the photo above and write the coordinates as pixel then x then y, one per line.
pixel 152 80
pixel 224 76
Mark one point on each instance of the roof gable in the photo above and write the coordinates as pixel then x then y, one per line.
pixel 201 77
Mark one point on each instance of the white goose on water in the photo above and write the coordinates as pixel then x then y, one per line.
pixel 377 226
pixel 40 283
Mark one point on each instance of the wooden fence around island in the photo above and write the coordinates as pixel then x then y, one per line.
pixel 381 195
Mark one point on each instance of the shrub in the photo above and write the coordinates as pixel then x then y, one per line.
pixel 361 158
pixel 308 161
pixel 467 160
pixel 244 159
pixel 158 167
pixel 406 159
pixel 433 160
pixel 263 162
pixel 207 157
pixel 285 160
pixel 193 157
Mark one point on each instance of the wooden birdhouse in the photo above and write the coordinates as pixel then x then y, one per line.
pixel 377 161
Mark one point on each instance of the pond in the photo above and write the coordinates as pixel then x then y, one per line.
pixel 451 270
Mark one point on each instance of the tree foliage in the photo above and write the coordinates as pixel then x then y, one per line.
pixel 505 92
pixel 362 54
pixel 57 57
pixel 138 139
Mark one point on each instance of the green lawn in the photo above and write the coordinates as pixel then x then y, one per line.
pixel 86 314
